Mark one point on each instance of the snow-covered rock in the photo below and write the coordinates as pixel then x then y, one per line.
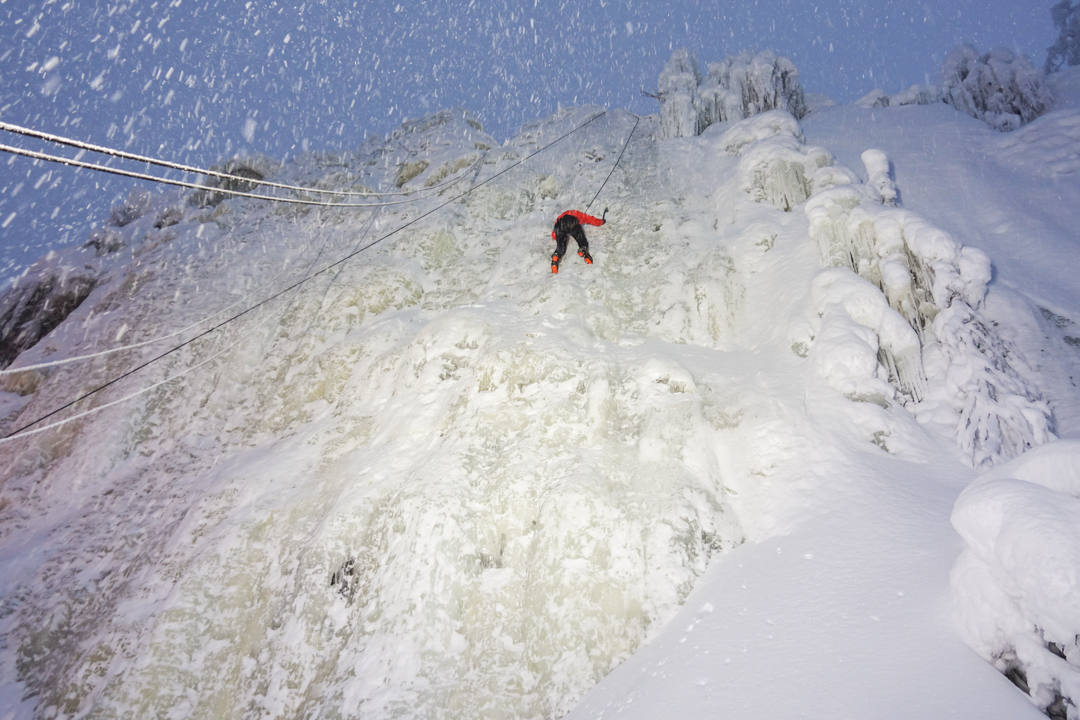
pixel 1017 584
pixel 48 291
pixel 914 95
pixel 680 102
pixel 1066 49
pixel 999 87
pixel 245 173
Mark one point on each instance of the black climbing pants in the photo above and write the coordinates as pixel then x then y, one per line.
pixel 565 227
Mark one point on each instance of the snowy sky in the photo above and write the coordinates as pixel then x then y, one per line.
pixel 197 81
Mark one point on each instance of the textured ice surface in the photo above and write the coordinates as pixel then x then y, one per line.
pixel 437 481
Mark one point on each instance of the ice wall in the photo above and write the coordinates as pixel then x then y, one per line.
pixel 732 89
pixel 425 484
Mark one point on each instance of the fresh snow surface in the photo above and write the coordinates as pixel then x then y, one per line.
pixel 711 475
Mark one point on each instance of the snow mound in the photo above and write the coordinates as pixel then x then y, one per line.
pixel 852 325
pixel 775 166
pixel 1017 583
pixel 1049 146
pixel 735 139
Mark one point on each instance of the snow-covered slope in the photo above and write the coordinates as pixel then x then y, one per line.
pixel 850 612
pixel 437 481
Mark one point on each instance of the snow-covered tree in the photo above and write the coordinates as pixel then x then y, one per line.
pixel 1000 87
pixel 735 88
pixel 1066 51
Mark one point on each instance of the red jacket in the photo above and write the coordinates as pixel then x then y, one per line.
pixel 581 218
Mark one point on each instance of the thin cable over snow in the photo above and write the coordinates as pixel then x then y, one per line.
pixel 181 183
pixel 132 346
pixel 61 140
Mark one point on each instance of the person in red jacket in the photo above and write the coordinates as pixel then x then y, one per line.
pixel 569 224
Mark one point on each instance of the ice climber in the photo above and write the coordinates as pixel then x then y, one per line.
pixel 567 224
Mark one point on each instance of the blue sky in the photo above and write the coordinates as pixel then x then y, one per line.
pixel 199 80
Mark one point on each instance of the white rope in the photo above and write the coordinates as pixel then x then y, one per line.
pixel 141 343
pixel 59 139
pixel 99 408
pixel 143 176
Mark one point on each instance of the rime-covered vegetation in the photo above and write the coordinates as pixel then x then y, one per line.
pixel 999 87
pixel 1065 52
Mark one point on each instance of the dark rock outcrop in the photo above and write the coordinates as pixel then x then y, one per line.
pixel 31 309
pixel 245 180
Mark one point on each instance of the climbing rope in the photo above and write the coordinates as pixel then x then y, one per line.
pixel 86 146
pixel 617 161
pixel 181 183
pixel 121 348
pixel 159 338
pixel 61 140
pixel 25 429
